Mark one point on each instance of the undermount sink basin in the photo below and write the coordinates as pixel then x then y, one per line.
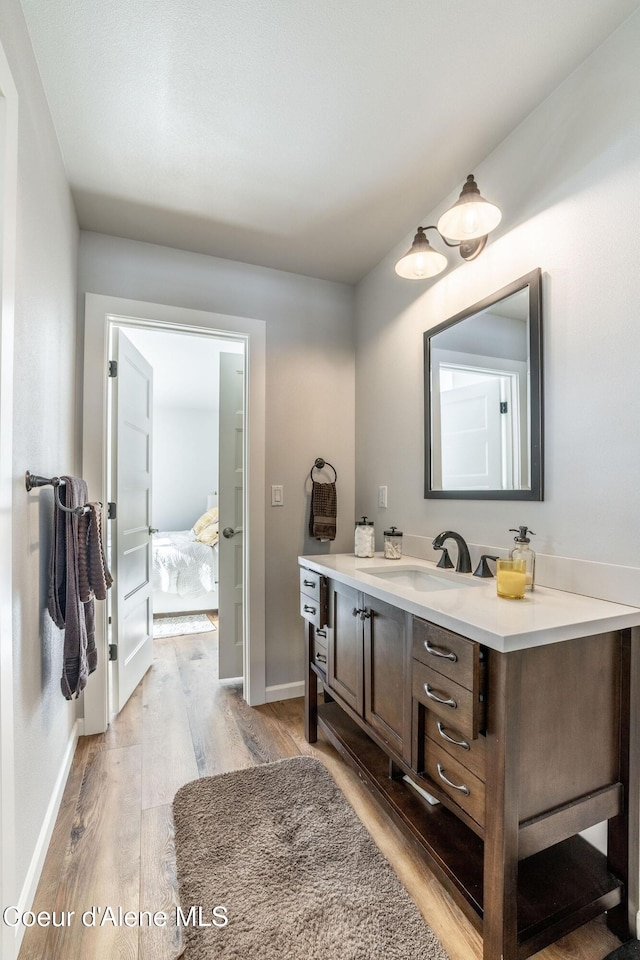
pixel 421 580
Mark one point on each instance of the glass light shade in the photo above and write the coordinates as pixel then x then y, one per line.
pixel 471 216
pixel 421 261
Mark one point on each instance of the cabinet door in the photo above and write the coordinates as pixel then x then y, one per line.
pixel 387 695
pixel 345 657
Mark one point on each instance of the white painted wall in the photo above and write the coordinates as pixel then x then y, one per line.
pixel 44 440
pixel 185 465
pixel 186 386
pixel 309 394
pixel 567 180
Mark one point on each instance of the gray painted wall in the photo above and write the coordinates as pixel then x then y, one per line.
pixel 567 181
pixel 309 393
pixel 44 433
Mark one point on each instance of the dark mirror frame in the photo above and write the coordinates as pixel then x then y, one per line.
pixel 532 281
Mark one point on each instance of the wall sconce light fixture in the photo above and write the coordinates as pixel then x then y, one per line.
pixel 465 225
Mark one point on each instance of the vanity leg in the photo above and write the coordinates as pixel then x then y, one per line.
pixel 500 925
pixel 310 691
pixel 622 839
pixel 395 772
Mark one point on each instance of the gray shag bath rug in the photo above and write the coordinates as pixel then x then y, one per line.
pixel 301 879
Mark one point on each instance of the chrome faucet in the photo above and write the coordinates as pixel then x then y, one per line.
pixel 464 560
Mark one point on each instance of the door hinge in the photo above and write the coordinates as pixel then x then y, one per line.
pixel 111 511
pixel 113 368
pixel 113 651
pixel 504 406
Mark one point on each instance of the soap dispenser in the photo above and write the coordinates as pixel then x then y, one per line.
pixel 522 551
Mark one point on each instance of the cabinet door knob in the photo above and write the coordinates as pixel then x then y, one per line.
pixel 445 736
pixel 456 786
pixel 356 612
pixel 366 614
pixel 447 655
pixel 432 696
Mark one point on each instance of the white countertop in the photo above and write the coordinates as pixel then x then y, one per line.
pixel 474 610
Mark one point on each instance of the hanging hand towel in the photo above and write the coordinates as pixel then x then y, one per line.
pixel 94 576
pixel 324 511
pixel 65 606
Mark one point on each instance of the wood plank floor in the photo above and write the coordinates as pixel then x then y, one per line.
pixel 113 840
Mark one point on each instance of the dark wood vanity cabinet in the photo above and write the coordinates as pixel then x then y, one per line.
pixel 364 670
pixel 523 750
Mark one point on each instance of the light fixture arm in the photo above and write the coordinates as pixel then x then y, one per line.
pixel 469 249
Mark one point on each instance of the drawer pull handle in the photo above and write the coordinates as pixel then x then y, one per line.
pixel 321 633
pixel 447 703
pixel 449 655
pixel 309 609
pixel 456 786
pixel 320 657
pixel 309 583
pixel 445 736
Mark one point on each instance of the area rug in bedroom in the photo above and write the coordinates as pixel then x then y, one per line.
pixel 179 626
pixel 281 850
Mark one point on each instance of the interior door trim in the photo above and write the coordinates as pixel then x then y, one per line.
pixel 101 312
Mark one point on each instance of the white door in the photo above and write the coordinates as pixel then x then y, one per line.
pixel 132 614
pixel 230 508
pixel 471 436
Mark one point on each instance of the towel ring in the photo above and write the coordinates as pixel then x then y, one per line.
pixel 320 464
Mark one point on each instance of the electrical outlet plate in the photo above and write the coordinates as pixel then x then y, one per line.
pixel 382 496
pixel 277 495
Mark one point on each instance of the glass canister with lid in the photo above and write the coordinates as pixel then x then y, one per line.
pixel 364 545
pixel 393 544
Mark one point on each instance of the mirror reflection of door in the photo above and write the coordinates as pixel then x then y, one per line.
pixel 476 434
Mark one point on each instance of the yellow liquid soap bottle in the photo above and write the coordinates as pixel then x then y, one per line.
pixel 522 551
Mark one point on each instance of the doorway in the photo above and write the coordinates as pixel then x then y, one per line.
pixel 172 571
pixel 101 316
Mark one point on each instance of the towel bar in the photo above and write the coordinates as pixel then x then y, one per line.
pixel 32 480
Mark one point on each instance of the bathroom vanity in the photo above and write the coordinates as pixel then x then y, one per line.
pixel 515 715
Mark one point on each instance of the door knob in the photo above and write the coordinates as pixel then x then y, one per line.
pixel 153 530
pixel 229 532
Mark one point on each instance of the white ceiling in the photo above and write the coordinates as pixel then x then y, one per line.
pixel 304 135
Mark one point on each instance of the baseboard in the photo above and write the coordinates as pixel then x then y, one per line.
pixel 28 892
pixel 284 691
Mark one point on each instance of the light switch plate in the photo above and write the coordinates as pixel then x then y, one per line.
pixel 277 495
pixel 382 496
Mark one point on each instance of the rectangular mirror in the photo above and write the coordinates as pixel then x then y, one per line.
pixel 483 398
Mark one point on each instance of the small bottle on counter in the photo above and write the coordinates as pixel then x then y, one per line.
pixel 522 551
pixel 393 544
pixel 365 540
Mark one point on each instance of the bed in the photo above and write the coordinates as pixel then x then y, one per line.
pixel 185 567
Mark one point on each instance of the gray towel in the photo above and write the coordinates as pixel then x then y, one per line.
pixel 94 576
pixel 67 610
pixel 324 511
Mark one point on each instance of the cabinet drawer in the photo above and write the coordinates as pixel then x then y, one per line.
pixel 311 610
pixel 448 653
pixel 457 706
pixel 310 584
pixel 319 652
pixel 470 753
pixel 462 786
